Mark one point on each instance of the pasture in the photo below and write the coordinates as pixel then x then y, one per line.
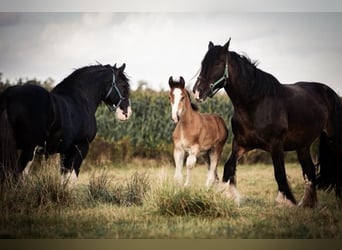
pixel 141 200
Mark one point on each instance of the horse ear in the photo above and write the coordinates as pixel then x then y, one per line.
pixel 114 66
pixel 226 46
pixel 122 68
pixel 170 82
pixel 210 45
pixel 182 82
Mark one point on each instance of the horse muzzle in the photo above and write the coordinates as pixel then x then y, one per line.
pixel 123 116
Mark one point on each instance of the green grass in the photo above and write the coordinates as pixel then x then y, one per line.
pixel 144 202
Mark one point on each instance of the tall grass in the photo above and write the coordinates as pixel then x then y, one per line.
pixel 173 200
pixel 129 193
pixel 40 191
pixel 126 203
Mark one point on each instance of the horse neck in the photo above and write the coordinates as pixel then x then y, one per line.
pixel 247 88
pixel 189 113
pixel 89 94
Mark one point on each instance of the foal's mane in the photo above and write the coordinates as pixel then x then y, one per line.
pixel 194 106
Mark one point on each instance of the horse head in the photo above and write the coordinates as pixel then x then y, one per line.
pixel 214 72
pixel 177 97
pixel 117 96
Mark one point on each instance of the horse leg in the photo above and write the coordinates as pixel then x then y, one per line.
pixel 190 163
pixel 81 153
pixel 214 156
pixel 68 175
pixel 178 156
pixel 71 162
pixel 309 198
pixel 229 170
pixel 25 161
pixel 285 195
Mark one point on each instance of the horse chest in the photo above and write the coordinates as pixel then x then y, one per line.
pixel 188 140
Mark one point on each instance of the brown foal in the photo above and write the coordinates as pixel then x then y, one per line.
pixel 195 134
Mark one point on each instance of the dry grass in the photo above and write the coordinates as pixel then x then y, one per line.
pixel 136 202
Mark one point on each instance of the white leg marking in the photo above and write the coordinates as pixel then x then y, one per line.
pixel 178 156
pixel 232 192
pixel 69 179
pixel 212 172
pixel 28 165
pixel 282 200
pixel 27 169
pixel 190 163
pixel 309 198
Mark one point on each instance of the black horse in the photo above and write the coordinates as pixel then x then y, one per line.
pixel 276 118
pixel 62 121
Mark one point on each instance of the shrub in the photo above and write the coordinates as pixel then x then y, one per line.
pixel 129 193
pixel 40 190
pixel 180 201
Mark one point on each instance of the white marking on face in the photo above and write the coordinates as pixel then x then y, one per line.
pixel 197 94
pixel 177 94
pixel 120 115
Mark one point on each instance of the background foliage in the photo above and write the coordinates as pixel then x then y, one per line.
pixel 148 134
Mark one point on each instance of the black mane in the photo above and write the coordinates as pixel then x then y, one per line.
pixel 75 79
pixel 261 82
pixel 78 78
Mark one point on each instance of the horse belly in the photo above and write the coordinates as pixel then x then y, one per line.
pixel 300 138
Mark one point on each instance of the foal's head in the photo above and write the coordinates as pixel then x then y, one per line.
pixel 179 98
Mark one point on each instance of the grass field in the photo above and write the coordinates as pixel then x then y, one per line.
pixel 141 200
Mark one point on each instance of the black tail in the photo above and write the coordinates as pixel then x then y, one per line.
pixel 330 152
pixel 8 150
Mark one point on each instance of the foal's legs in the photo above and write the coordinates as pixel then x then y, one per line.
pixel 190 163
pixel 285 195
pixel 178 156
pixel 309 198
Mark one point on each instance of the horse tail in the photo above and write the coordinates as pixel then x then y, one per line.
pixel 8 149
pixel 330 150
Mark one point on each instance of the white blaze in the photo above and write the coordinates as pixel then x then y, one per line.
pixel 177 93
pixel 197 94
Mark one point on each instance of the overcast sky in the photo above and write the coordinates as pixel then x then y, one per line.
pixel 291 46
